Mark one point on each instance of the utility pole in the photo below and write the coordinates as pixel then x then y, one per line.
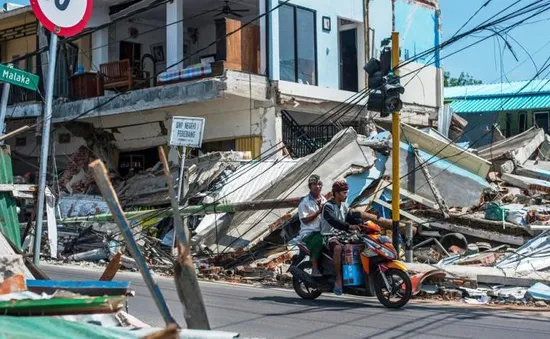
pixel 396 197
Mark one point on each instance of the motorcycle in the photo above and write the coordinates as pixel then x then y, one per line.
pixel 370 264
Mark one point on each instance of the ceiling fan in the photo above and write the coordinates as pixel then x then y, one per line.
pixel 226 10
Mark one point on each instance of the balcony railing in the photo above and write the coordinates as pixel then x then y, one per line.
pixel 303 140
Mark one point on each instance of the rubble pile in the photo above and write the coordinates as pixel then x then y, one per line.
pixel 476 213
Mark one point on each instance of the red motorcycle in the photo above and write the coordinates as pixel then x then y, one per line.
pixel 370 266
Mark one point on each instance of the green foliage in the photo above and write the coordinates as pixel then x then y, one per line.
pixel 464 79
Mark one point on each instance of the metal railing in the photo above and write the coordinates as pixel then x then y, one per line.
pixel 303 140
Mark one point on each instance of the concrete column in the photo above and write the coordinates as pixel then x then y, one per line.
pixel 272 131
pixel 100 47
pixel 263 37
pixel 174 34
pixel 100 38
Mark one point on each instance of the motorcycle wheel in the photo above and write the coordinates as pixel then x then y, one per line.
pixel 300 287
pixel 400 284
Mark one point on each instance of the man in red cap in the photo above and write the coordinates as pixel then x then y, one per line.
pixel 336 215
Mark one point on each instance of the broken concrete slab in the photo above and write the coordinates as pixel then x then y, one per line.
pixel 330 163
pixel 526 182
pixel 535 173
pixel 458 186
pixel 445 149
pixel 485 275
pixel 518 148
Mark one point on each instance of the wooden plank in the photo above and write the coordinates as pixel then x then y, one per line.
pixel 106 187
pixel 478 233
pixel 17 187
pixel 62 306
pixel 112 269
pixel 404 213
pixel 89 288
pixel 250 48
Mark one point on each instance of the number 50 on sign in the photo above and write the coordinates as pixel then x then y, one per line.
pixel 187 132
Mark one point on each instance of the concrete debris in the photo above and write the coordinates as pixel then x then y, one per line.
pixel 481 218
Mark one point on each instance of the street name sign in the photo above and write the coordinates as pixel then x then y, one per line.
pixel 63 17
pixel 187 132
pixel 18 78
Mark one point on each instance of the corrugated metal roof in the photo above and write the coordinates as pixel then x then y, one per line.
pixel 245 183
pixel 497 104
pixel 538 86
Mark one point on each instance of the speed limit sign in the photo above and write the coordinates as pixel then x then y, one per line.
pixel 63 17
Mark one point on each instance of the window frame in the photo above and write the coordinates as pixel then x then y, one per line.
pixel 315 47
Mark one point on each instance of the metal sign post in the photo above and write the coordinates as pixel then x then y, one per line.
pixel 45 148
pixel 186 132
pixel 65 18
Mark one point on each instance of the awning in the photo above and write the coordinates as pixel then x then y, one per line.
pixel 503 103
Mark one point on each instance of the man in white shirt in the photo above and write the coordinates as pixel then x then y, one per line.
pixel 309 212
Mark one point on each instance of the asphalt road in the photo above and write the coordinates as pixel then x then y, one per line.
pixel 277 313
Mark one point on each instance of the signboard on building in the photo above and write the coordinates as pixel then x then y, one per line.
pixel 19 78
pixel 63 17
pixel 187 132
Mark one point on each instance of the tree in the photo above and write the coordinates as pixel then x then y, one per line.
pixel 464 79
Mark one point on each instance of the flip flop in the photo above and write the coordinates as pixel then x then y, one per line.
pixel 337 291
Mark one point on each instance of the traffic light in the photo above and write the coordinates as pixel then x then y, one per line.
pixel 386 89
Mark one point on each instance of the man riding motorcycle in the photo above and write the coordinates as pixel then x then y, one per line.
pixel 336 215
pixel 309 211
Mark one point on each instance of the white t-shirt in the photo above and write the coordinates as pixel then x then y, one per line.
pixel 308 206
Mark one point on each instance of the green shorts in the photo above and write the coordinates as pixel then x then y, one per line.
pixel 314 243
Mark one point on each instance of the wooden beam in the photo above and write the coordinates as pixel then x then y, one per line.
pixel 107 190
pixel 112 269
pixel 185 277
pixel 413 196
pixel 478 233
pixel 404 213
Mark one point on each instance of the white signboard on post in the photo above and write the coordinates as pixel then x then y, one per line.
pixel 187 132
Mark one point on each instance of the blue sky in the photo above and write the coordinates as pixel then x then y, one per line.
pixel 486 61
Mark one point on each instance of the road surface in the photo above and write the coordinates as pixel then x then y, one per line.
pixel 277 313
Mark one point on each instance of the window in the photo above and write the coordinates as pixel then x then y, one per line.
pixel 64 138
pixel 297 45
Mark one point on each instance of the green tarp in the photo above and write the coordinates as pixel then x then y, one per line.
pixel 57 328
pixel 9 222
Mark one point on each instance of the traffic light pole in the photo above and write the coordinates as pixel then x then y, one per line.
pixel 396 196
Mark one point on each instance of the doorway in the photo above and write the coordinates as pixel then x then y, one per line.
pixel 131 51
pixel 349 75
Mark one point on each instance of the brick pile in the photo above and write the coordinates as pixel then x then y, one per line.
pixel 78 161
